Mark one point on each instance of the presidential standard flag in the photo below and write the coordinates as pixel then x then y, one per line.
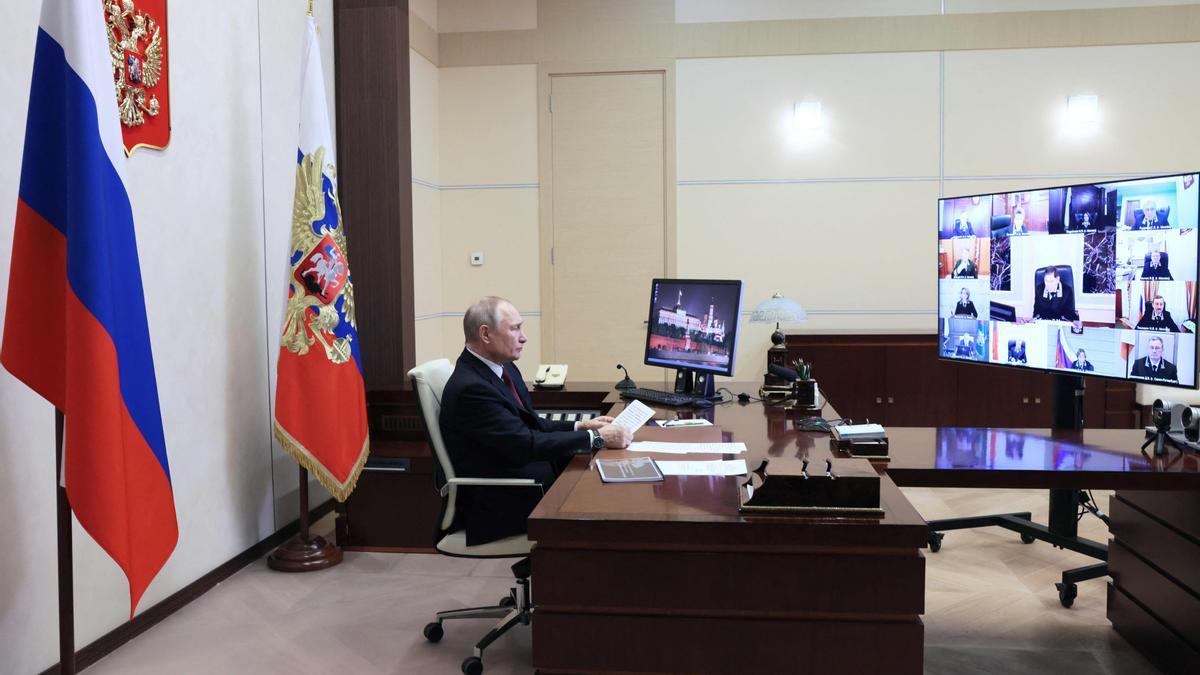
pixel 320 404
pixel 75 326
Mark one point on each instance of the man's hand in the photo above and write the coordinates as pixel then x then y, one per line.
pixel 615 436
pixel 594 424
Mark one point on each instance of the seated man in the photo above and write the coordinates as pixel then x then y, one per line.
pixel 1054 299
pixel 1149 217
pixel 1081 362
pixel 1016 351
pixel 1155 267
pixel 491 430
pixel 1158 318
pixel 962 226
pixel 1153 366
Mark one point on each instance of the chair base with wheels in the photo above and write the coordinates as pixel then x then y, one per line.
pixel 516 608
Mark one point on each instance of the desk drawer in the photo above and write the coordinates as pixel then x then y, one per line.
pixel 1181 509
pixel 1170 551
pixel 1162 647
pixel 786 584
pixel 1174 606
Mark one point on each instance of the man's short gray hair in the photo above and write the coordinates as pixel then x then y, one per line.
pixel 485 312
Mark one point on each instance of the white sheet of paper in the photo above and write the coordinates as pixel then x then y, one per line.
pixel 634 416
pixel 686 448
pixel 716 467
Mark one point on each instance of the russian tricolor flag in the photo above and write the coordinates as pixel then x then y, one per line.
pixel 75 328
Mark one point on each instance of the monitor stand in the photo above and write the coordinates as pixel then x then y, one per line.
pixel 1062 529
pixel 698 384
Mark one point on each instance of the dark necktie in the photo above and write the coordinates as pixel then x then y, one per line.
pixel 512 388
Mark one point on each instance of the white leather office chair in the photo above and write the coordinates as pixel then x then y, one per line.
pixel 429 379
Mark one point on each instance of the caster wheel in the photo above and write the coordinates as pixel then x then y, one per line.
pixel 433 631
pixel 507 601
pixel 1028 538
pixel 1067 593
pixel 472 665
pixel 935 541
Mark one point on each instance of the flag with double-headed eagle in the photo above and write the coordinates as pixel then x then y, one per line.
pixel 320 403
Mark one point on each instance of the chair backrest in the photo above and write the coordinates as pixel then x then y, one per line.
pixel 1065 274
pixel 429 379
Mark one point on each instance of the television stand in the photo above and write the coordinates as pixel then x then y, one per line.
pixel 1063 522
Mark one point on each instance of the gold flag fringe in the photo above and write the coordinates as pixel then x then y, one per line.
pixel 340 491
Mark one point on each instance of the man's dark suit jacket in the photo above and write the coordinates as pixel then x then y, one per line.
pixel 489 436
pixel 1162 272
pixel 1166 370
pixel 1166 324
pixel 1059 308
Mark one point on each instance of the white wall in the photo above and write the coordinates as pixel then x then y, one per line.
pixel 221 195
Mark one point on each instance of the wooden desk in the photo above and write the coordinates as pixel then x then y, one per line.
pixel 670 577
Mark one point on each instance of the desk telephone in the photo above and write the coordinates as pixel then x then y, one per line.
pixel 550 376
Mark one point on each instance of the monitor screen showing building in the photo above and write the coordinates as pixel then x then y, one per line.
pixel 1095 279
pixel 693 324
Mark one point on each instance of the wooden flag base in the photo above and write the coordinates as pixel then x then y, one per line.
pixel 303 552
pixel 304 555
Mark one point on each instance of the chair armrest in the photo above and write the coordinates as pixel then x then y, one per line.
pixel 491 482
pixel 496 482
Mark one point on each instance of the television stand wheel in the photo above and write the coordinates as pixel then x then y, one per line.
pixel 507 601
pixel 433 631
pixel 1067 593
pixel 472 665
pixel 1027 538
pixel 935 541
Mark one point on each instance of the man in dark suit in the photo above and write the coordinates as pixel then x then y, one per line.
pixel 1153 366
pixel 492 431
pixel 1158 318
pixel 1155 267
pixel 1016 351
pixel 1054 300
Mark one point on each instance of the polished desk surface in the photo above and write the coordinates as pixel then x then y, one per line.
pixel 637 512
pixel 967 457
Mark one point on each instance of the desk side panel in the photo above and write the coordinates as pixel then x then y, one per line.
pixel 683 644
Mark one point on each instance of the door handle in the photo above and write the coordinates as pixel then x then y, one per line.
pixel 879 399
pixel 891 400
pixel 1025 400
pixel 1037 400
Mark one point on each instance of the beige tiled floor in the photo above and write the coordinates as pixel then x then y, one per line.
pixel 991 607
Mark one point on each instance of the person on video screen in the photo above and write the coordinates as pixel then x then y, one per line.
pixel 1149 217
pixel 1081 362
pixel 965 267
pixel 1055 300
pixel 1153 366
pixel 1158 318
pixel 1018 221
pixel 1156 268
pixel 1016 351
pixel 965 307
pixel 962 226
pixel 965 347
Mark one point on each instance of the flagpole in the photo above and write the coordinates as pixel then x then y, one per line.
pixel 310 2
pixel 66 585
pixel 303 552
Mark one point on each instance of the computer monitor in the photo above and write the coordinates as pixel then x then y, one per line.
pixel 1097 279
pixel 693 326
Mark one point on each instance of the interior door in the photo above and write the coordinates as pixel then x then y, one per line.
pixel 607 222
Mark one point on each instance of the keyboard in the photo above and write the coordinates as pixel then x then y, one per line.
pixel 659 397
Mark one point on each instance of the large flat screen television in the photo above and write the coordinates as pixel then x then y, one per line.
pixel 1096 279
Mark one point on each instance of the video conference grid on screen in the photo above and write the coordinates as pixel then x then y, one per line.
pixel 1099 279
pixel 693 324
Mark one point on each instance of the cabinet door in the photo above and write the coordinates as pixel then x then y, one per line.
pixel 851 377
pixel 990 396
pixel 920 389
pixel 1040 410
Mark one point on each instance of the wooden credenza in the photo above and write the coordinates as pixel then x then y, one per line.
pixel 898 380
pixel 1154 561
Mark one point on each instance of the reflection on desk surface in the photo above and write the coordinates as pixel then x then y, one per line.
pixel 1006 449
